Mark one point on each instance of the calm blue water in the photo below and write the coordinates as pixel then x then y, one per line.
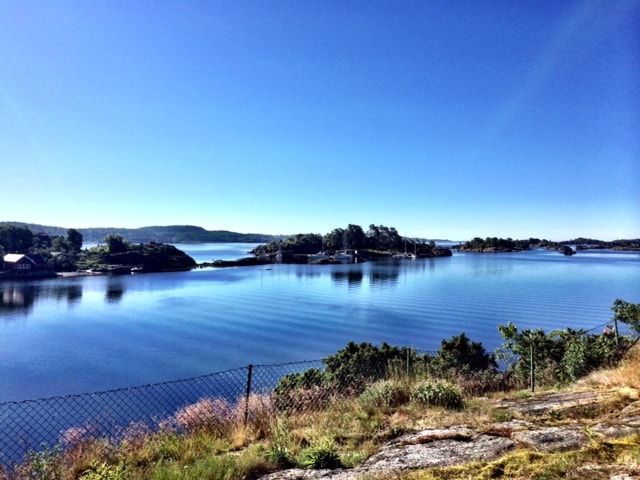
pixel 85 334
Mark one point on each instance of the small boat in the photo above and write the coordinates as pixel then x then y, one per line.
pixel 318 257
pixel 343 257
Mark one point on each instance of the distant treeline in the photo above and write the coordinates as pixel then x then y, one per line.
pixel 166 234
pixel 383 237
pixel 495 244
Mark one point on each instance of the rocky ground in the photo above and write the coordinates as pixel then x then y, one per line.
pixel 550 422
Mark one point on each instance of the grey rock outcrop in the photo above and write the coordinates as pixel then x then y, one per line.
pixel 459 445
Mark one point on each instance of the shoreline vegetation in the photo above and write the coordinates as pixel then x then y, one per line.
pixel 390 412
pixel 148 249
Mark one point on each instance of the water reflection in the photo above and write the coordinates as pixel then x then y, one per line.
pixel 353 278
pixel 310 273
pixel 384 275
pixel 20 298
pixel 115 290
pixel 71 293
pixel 17 299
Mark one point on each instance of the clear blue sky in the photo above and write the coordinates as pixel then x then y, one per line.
pixel 444 119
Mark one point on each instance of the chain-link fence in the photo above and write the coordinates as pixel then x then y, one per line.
pixel 118 415
pixel 35 424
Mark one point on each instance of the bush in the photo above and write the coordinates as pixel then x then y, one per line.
pixel 104 472
pixel 437 393
pixel 357 365
pixel 560 356
pixel 321 456
pixel 299 391
pixel 384 394
pixel 460 356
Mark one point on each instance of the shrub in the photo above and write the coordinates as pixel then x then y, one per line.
pixel 383 394
pixel 324 455
pixel 299 391
pixel 357 365
pixel 437 393
pixel 104 472
pixel 278 452
pixel 42 464
pixel 459 355
pixel 561 355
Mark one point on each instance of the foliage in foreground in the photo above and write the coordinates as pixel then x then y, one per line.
pixel 343 426
pixel 563 356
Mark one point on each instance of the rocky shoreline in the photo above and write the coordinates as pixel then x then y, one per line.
pixel 545 423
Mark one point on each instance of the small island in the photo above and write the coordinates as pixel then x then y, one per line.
pixel 342 245
pixel 119 256
pixel 504 245
pixel 24 254
pixel 37 251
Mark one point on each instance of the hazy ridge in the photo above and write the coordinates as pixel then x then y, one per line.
pixel 162 234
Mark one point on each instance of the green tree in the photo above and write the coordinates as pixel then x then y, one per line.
pixel 461 355
pixel 627 313
pixel 356 237
pixel 115 243
pixel 16 239
pixel 74 239
pixel 60 244
pixel 384 238
pixel 560 355
pixel 535 345
pixel 335 239
pixel 356 365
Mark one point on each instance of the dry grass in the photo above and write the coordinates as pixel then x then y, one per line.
pixel 212 441
pixel 625 377
pixel 599 460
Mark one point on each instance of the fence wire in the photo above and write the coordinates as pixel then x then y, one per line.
pixel 32 425
pixel 232 395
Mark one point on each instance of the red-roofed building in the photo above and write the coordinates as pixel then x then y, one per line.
pixel 19 265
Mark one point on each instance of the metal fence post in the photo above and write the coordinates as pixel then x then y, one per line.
pixel 408 353
pixel 533 369
pixel 246 398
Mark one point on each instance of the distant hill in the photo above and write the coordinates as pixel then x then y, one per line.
pixel 164 234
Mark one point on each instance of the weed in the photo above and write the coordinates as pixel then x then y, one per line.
pixel 104 472
pixel 279 453
pixel 322 455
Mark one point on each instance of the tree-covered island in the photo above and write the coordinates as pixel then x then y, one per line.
pixel 36 250
pixel 567 247
pixel 25 254
pixel 378 241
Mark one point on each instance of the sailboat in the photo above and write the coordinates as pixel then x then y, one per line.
pixel 344 256
pixel 406 254
pixel 318 257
